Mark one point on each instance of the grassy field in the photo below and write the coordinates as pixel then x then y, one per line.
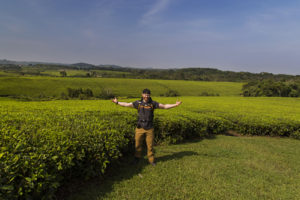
pixel 223 167
pixel 7 74
pixel 54 86
pixel 69 72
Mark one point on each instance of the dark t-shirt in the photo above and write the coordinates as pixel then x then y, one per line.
pixel 145 113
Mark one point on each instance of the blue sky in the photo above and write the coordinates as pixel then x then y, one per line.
pixel 238 35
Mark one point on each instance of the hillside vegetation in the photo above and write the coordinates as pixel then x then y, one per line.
pixel 53 87
pixel 113 71
pixel 272 88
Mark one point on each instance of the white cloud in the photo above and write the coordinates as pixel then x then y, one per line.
pixel 157 8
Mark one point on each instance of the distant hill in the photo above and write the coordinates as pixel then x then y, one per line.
pixel 80 65
pixel 115 71
pixel 90 66
pixel 26 63
pixel 83 65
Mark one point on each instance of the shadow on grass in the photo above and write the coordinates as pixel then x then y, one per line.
pixel 196 139
pixel 122 170
pixel 175 156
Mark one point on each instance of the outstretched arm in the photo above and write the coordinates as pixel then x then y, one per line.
pixel 125 104
pixel 167 106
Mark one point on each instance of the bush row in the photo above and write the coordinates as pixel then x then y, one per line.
pixel 271 88
pixel 41 149
pixel 39 152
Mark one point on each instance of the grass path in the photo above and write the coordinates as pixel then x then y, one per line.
pixel 223 167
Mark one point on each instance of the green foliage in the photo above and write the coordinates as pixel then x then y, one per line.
pixel 39 151
pixel 79 93
pixel 64 96
pixel 106 93
pixel 271 88
pixel 112 71
pixel 43 144
pixel 91 74
pixel 63 73
pixel 296 134
pixel 54 86
pixel 208 94
pixel 10 67
pixel 171 93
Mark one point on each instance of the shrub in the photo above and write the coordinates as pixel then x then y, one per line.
pixel 39 151
pixel 107 93
pixel 171 93
pixel 296 134
pixel 209 94
pixel 271 88
pixel 63 73
pixel 80 93
pixel 42 147
pixel 64 96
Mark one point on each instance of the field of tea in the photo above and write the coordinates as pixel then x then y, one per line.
pixel 44 144
pixel 53 86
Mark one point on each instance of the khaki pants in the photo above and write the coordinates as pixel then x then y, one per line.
pixel 140 134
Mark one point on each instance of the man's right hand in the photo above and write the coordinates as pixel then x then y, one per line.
pixel 115 100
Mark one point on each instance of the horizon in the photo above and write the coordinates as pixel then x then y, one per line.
pixel 55 63
pixel 255 37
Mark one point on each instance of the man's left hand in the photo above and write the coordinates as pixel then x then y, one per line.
pixel 178 103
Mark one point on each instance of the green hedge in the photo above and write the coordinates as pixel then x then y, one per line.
pixel 41 148
pixel 39 152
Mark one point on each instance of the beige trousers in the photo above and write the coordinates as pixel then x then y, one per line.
pixel 140 134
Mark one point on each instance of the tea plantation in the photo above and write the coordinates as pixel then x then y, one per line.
pixel 45 144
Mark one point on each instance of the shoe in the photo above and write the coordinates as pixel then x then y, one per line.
pixel 153 164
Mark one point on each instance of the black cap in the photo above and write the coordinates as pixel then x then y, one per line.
pixel 146 91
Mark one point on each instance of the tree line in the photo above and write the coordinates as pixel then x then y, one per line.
pixel 271 88
pixel 195 74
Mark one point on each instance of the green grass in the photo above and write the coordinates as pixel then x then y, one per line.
pixel 5 74
pixel 221 168
pixel 54 86
pixel 69 72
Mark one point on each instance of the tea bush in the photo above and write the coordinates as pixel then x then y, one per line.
pixel 43 144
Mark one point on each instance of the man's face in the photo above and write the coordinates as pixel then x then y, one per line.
pixel 146 97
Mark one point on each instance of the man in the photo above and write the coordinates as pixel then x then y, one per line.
pixel 145 108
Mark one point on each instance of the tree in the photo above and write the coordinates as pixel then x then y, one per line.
pixel 271 88
pixel 63 73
